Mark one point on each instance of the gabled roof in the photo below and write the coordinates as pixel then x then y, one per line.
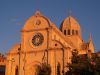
pixel 67 40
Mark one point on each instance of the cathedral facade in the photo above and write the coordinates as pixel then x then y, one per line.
pixel 42 42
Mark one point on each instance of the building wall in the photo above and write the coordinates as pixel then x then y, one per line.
pixel 41 42
pixel 2 64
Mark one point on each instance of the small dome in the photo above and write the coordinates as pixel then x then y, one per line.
pixel 70 26
pixel 70 23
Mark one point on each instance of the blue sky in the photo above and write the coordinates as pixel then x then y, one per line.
pixel 14 13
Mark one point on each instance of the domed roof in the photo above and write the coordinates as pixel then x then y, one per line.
pixel 70 23
pixel 37 21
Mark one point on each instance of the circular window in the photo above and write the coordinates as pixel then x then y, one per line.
pixel 38 22
pixel 37 39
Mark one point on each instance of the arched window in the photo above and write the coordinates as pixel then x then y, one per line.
pixel 54 37
pixel 72 32
pixel 16 70
pixel 68 32
pixel 76 32
pixel 64 32
pixel 58 69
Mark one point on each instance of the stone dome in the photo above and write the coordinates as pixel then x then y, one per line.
pixel 70 26
pixel 70 23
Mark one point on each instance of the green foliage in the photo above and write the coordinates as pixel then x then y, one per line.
pixel 45 69
pixel 82 65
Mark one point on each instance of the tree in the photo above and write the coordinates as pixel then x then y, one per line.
pixel 45 69
pixel 83 65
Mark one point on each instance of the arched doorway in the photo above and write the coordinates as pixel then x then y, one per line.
pixel 33 68
pixel 40 69
pixel 2 69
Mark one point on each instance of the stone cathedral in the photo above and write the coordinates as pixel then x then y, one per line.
pixel 42 42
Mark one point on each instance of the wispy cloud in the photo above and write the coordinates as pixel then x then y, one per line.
pixel 17 21
pixel 13 19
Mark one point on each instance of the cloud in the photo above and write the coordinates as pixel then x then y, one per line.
pixel 13 20
pixel 17 21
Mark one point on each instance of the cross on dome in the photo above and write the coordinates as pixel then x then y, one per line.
pixel 37 13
